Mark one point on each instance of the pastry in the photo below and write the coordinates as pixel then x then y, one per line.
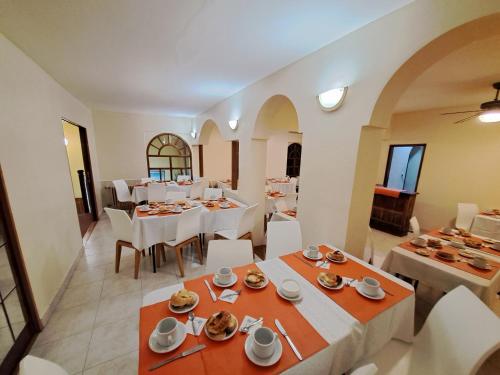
pixel 434 243
pixel 336 255
pixel 255 278
pixel 221 324
pixel 445 254
pixel 463 232
pixel 472 242
pixel 330 279
pixel 182 298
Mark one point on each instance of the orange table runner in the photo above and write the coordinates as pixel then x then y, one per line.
pixel 145 214
pixel 361 308
pixel 387 191
pixel 228 357
pixel 485 274
pixel 290 213
pixel 486 249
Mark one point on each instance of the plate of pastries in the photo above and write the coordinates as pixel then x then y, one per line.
pixel 473 242
pixel 183 301
pixel 330 280
pixel 336 256
pixel 221 326
pixel 255 279
pixel 446 255
pixel 462 232
pixel 434 243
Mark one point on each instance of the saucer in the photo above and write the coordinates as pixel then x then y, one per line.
pixel 225 206
pixel 413 242
pixel 336 261
pixel 144 209
pixel 454 259
pixel 275 357
pixel 295 299
pixel 234 278
pixel 487 267
pixel 340 286
pixel 318 257
pixel 266 281
pixel 227 337
pixel 157 348
pixel 186 309
pixel 379 296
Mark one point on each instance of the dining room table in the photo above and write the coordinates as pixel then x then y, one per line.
pixel 487 224
pixel 330 329
pixel 140 191
pixel 271 198
pixel 428 266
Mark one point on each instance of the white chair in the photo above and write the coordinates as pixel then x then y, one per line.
pixel 291 200
pixel 172 187
pixel 280 205
pixel 445 344
pixel 280 216
pixel 160 295
pixel 31 365
pixel 244 227
pixel 145 180
pixel 212 193
pixel 196 190
pixel 283 237
pixel 294 181
pixel 415 226
pixel 121 225
pixel 369 255
pixel 156 193
pixel 183 177
pixel 465 215
pixel 176 195
pixel 123 193
pixel 223 253
pixel 369 369
pixel 188 228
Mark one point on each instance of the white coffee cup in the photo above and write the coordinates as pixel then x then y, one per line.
pixel 457 243
pixel 264 340
pixel 448 230
pixel 178 208
pixel 480 261
pixel 290 288
pixel 370 286
pixel 312 251
pixel 223 275
pixel 166 331
pixel 419 241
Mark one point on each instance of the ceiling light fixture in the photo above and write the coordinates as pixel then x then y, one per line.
pixel 332 99
pixel 490 116
pixel 233 124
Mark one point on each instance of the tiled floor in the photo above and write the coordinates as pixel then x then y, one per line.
pixel 94 329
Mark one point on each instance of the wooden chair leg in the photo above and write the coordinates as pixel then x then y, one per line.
pixel 198 248
pixel 158 255
pixel 143 252
pixel 180 262
pixel 118 256
pixel 163 255
pixel 137 263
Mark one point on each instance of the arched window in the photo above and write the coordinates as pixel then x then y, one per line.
pixel 168 156
pixel 293 159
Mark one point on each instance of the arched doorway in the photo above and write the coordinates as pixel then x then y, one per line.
pixel 293 159
pixel 168 156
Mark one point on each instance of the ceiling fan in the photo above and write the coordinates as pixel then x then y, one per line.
pixel 488 112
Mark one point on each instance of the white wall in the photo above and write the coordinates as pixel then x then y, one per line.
pixel 35 166
pixel 277 152
pixel 461 162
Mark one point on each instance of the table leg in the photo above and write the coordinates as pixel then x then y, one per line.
pixel 153 248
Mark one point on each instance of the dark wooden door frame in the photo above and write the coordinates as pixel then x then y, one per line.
pixel 389 161
pixel 23 287
pixel 200 159
pixel 235 164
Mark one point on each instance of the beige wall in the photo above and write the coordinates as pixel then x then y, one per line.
pixel 75 157
pixel 277 152
pixel 461 162
pixel 35 166
pixel 216 153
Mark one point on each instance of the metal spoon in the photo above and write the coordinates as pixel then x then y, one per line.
pixel 191 318
pixel 248 326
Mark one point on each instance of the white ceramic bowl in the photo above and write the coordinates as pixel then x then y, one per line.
pixel 290 288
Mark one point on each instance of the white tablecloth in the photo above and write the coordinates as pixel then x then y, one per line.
pixel 349 340
pixel 151 230
pixel 283 187
pixel 140 193
pixel 440 275
pixel 486 226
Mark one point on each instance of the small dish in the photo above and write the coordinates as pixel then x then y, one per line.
pixel 443 257
pixel 335 260
pixel 262 286
pixel 323 284
pixel 423 252
pixel 227 337
pixel 234 278
pixel 185 309
pixel 295 299
pixel 157 348
pixel 275 357
pixel 487 267
pixel 153 212
pixel 318 257
pixel 380 295
pixel 466 254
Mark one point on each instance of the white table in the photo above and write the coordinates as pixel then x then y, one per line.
pixel 486 226
pixel 281 216
pixel 441 276
pixel 140 193
pixel 349 340
pixel 283 187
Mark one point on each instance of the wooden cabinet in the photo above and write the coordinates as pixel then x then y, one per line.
pixel 392 214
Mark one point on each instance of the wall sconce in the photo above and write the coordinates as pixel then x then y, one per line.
pixel 193 133
pixel 233 124
pixel 332 99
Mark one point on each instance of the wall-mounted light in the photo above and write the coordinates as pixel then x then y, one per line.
pixel 66 141
pixel 193 133
pixel 490 116
pixel 332 99
pixel 233 124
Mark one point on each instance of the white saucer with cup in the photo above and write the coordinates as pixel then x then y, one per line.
pixel 480 262
pixel 289 290
pixel 168 335
pixel 370 288
pixel 177 209
pixel 263 347
pixel 312 252
pixel 224 277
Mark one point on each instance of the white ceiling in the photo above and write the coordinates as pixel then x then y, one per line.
pixel 462 78
pixel 175 56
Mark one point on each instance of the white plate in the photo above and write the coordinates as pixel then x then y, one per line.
pixel 144 209
pixel 319 257
pixel 288 298
pixel 417 244
pixel 185 309
pixel 225 338
pixel 379 296
pixel 486 268
pixel 275 357
pixel 330 287
pixel 266 281
pixel 337 261
pixel 157 348
pixel 234 278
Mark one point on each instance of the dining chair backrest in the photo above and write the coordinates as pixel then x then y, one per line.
pixel 293 181
pixel 196 190
pixel 415 226
pixel 212 193
pixel 228 253
pixel 280 204
pixel 283 237
pixel 188 225
pixel 121 225
pixel 283 187
pixel 291 200
pixel 156 193
pixel 232 194
pixel 447 345
pixel 369 369
pixel 122 191
pixel 145 180
pixel 176 195
pixel 369 255
pixel 247 221
pixel 465 215
pixel 31 365
pixel 183 177
pixel 172 187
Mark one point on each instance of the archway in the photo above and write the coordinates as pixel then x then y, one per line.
pixel 372 135
pixel 216 153
pixel 168 156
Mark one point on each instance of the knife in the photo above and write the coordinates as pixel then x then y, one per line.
pixel 185 353
pixel 212 293
pixel 290 342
